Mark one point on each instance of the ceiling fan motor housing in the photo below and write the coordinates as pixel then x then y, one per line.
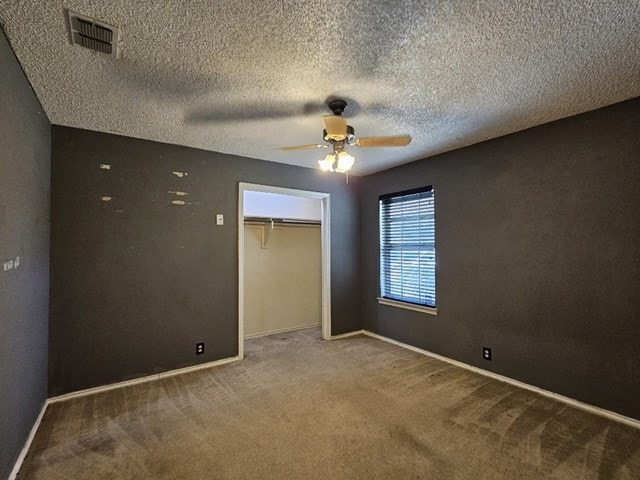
pixel 348 138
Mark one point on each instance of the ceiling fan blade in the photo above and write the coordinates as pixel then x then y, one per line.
pixel 251 111
pixel 335 125
pixel 303 147
pixel 398 141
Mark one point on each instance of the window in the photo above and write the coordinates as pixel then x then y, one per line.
pixel 407 248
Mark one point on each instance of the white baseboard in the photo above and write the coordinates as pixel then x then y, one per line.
pixel 27 444
pixel 136 381
pixel 556 396
pixel 347 335
pixel 150 378
pixel 282 330
pixel 104 388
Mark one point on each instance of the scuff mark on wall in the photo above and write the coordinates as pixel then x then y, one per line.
pixel 105 166
pixel 106 199
pixel 180 174
pixel 178 202
pixel 180 194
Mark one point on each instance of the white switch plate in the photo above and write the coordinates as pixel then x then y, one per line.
pixel 219 219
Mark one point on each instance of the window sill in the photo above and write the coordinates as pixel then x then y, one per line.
pixel 408 306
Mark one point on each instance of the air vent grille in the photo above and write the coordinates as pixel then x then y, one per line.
pixel 93 34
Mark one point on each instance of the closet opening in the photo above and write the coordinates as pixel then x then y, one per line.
pixel 284 259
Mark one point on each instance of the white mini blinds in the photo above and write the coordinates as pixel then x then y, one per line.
pixel 407 247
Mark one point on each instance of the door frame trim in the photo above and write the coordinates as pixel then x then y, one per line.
pixel 325 235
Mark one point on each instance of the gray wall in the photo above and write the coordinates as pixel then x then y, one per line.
pixel 24 232
pixel 538 251
pixel 136 281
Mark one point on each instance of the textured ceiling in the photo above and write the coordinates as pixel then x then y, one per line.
pixel 245 77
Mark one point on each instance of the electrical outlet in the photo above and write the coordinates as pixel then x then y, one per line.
pixel 219 219
pixel 8 265
pixel 199 348
pixel 486 353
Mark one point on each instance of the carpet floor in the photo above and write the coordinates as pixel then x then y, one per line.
pixel 301 408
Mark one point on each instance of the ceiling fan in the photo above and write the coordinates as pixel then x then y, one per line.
pixel 338 135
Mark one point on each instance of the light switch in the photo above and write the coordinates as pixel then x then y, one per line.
pixel 219 219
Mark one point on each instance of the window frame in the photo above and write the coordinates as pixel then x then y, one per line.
pixel 399 302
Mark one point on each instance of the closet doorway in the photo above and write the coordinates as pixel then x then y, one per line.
pixel 276 225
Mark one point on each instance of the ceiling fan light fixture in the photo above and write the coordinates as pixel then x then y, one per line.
pixel 326 164
pixel 345 162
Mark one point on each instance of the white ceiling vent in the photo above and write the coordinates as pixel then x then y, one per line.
pixel 93 34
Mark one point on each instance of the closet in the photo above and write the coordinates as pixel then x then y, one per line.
pixel 282 264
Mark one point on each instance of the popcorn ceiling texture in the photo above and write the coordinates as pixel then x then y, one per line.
pixel 246 77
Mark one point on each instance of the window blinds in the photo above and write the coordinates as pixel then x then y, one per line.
pixel 407 247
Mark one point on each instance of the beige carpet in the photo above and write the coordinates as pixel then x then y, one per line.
pixel 301 408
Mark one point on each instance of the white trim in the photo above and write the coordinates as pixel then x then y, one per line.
pixel 27 445
pixel 325 234
pixel 556 396
pixel 282 330
pixel 136 381
pixel 90 391
pixel 408 306
pixel 347 335
pixel 241 271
